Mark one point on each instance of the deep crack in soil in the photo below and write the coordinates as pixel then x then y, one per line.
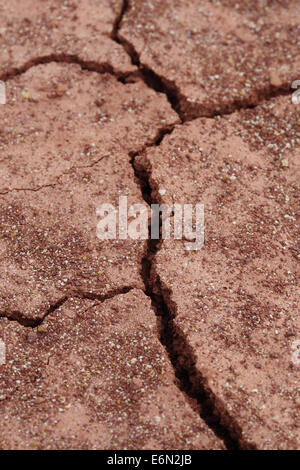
pixel 189 380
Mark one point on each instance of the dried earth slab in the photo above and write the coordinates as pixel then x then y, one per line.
pixel 62 156
pixel 212 56
pixel 235 302
pixel 68 30
pixel 94 376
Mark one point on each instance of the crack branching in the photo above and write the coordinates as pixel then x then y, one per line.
pixel 150 78
pixel 189 379
pixel 187 110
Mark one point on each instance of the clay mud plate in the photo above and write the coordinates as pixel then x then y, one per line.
pixel 126 338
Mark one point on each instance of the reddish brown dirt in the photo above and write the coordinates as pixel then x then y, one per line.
pixel 136 344
pixel 235 301
pixel 215 55
pixel 71 30
pixel 95 375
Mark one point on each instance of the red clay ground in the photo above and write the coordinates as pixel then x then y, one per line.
pixel 136 344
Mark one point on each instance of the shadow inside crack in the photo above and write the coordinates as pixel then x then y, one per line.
pixel 189 379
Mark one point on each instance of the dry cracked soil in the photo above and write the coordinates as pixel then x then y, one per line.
pixel 140 343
